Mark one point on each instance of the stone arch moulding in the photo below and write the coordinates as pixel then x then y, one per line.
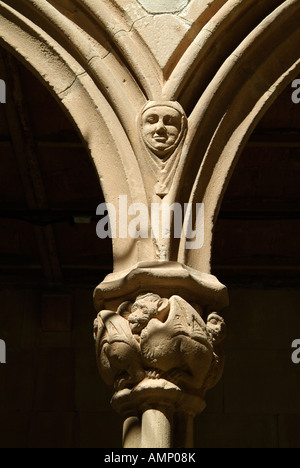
pixel 94 85
pixel 228 111
pixel 212 45
pixel 74 89
pixel 86 77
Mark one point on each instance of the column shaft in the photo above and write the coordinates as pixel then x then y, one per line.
pixel 157 428
pixel 132 432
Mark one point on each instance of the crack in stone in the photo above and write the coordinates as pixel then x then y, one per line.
pixel 72 84
pixel 95 57
pixel 131 27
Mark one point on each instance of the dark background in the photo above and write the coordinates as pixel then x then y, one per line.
pixel 51 260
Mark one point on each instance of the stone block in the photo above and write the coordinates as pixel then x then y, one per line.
pixel 236 431
pixel 261 382
pixel 55 340
pixel 31 322
pixel 14 429
pixel 84 314
pixel 56 310
pixel 55 380
pixel 51 430
pixel 289 430
pixel 99 429
pixel 11 318
pixel 91 394
pixel 17 380
pixel 163 6
pixel 264 319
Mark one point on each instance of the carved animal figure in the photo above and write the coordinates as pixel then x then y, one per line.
pixel 118 353
pixel 159 338
pixel 180 349
pixel 146 308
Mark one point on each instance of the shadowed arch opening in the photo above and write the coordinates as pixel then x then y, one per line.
pixel 49 187
pixel 97 122
pixel 256 254
pixel 252 79
pixel 50 262
pixel 257 231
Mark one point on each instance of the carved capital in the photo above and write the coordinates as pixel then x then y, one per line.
pixel 159 351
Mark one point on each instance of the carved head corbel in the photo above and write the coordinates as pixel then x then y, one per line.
pixel 163 126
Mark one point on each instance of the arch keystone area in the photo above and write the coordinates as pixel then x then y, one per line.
pixel 163 6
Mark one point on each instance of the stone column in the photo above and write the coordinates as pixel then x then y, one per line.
pixel 158 331
pixel 159 351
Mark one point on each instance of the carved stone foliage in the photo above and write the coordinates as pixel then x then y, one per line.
pixel 159 342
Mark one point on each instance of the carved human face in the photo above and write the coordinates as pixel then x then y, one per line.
pixel 161 127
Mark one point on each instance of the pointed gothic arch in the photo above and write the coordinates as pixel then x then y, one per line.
pixel 103 101
pixel 91 111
